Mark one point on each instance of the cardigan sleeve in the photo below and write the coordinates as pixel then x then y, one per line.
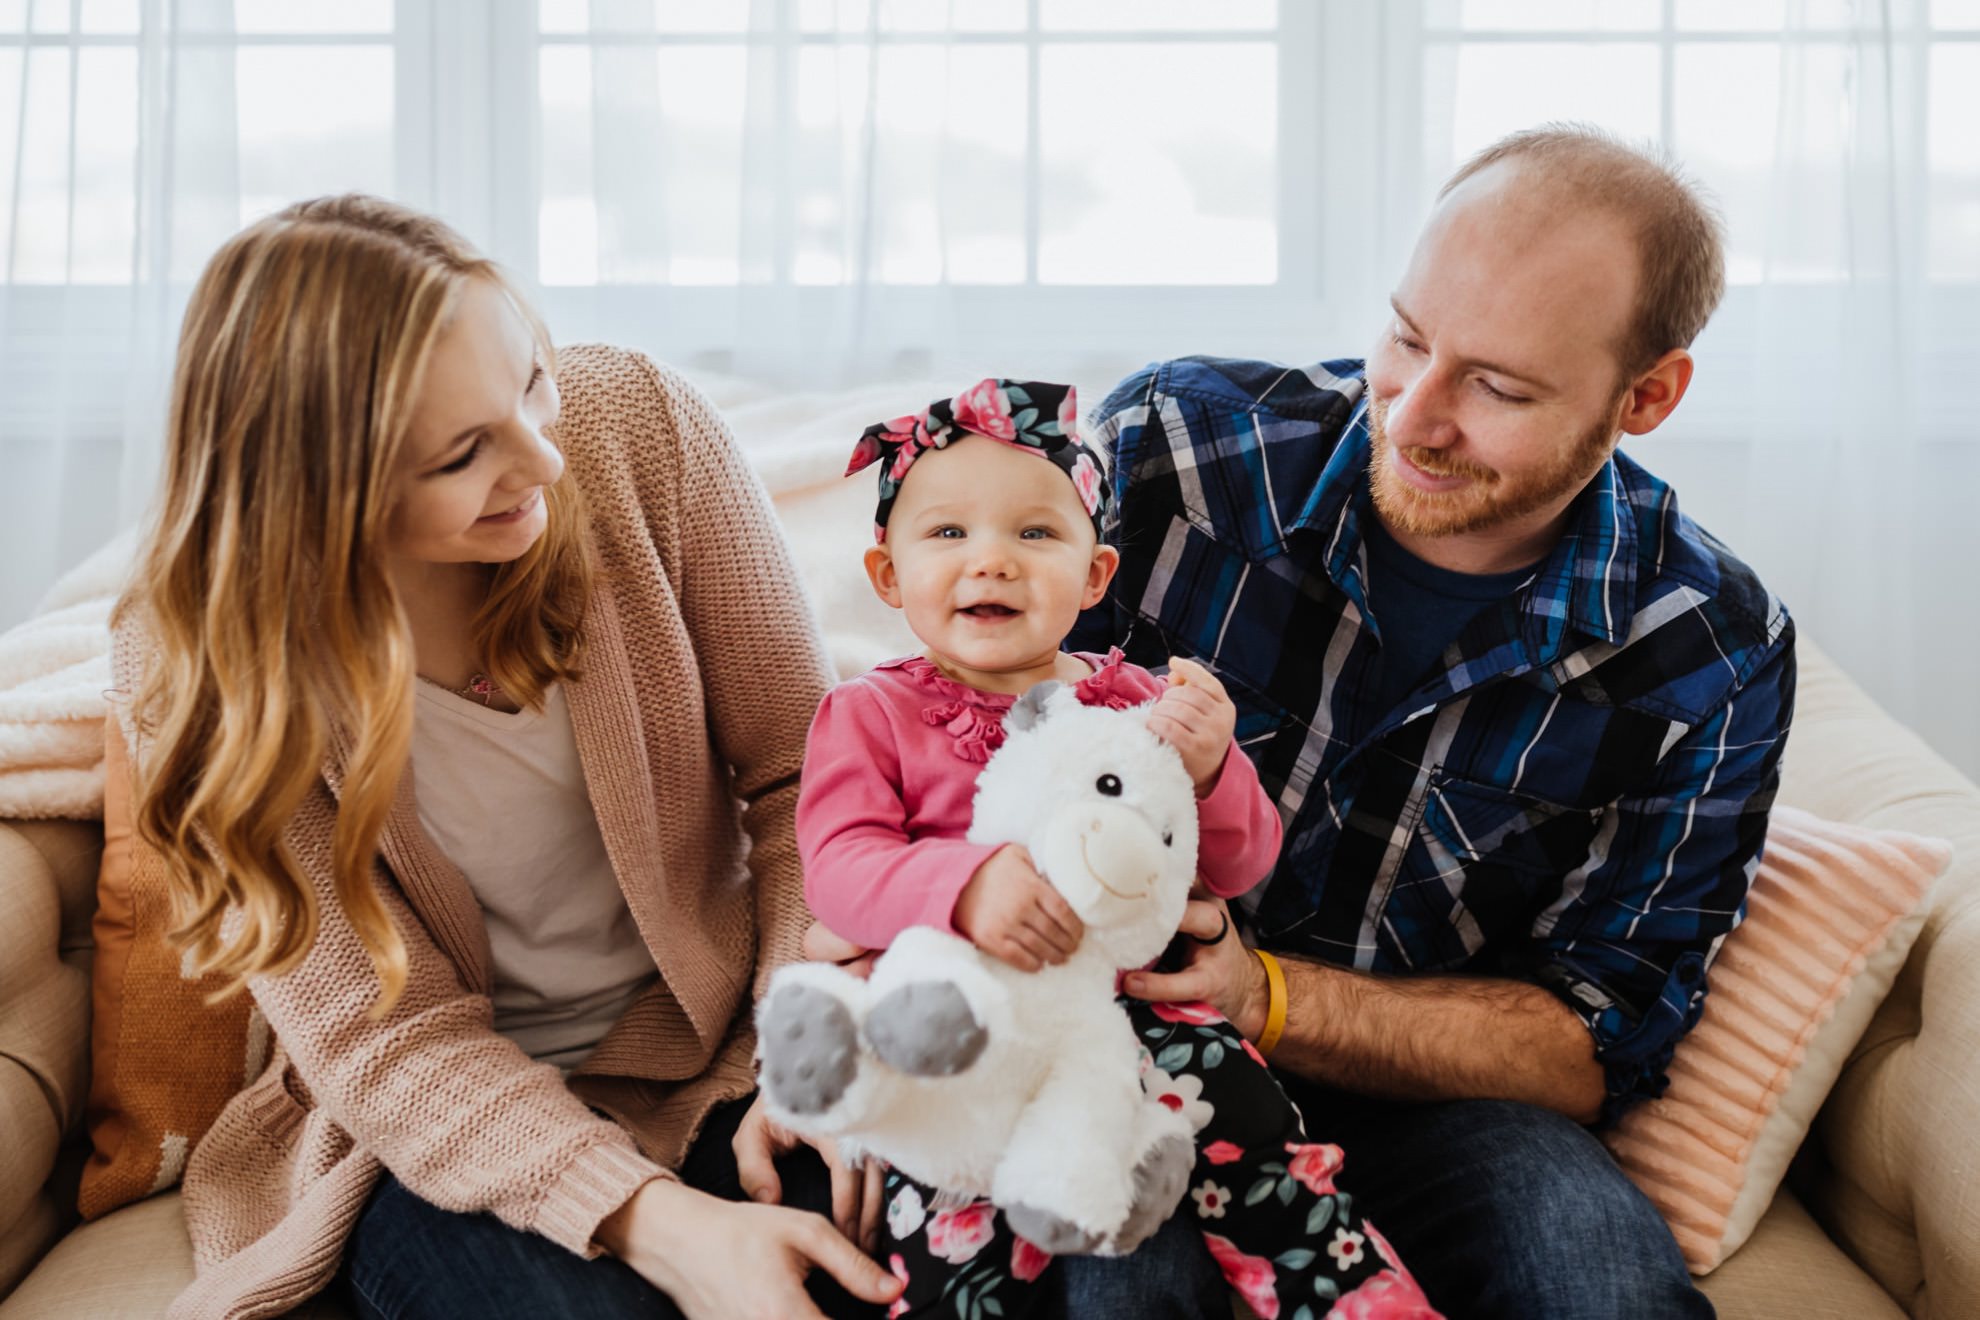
pixel 762 661
pixel 457 1112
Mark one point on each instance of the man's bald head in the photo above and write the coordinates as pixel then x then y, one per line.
pixel 1679 238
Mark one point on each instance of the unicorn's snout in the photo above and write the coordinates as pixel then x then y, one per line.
pixel 1102 857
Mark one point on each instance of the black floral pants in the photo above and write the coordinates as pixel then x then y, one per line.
pixel 1266 1199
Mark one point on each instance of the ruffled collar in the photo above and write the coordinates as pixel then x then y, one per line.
pixel 974 719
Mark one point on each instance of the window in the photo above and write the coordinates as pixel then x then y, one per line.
pixel 1048 175
pixel 306 106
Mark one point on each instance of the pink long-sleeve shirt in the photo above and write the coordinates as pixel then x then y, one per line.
pixel 890 774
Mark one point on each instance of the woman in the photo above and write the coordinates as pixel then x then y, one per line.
pixel 475 752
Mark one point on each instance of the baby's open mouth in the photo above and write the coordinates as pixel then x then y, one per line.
pixel 990 612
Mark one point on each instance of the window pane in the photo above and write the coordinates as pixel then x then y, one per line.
pixel 105 218
pixel 1501 87
pixel 563 16
pixel 38 249
pixel 567 216
pixel 289 16
pixel 313 120
pixel 81 234
pixel 1156 15
pixel 1956 13
pixel 946 200
pixel 1546 15
pixel 110 17
pixel 644 184
pixel 1954 158
pixel 576 17
pixel 1762 15
pixel 1163 172
pixel 1726 116
pixel 701 164
pixel 854 16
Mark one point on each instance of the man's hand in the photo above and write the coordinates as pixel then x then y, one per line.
pixel 1195 716
pixel 1011 912
pixel 1223 973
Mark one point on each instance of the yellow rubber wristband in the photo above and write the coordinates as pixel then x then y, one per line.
pixel 1275 1010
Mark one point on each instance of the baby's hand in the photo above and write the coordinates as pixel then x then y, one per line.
pixel 1012 913
pixel 1195 717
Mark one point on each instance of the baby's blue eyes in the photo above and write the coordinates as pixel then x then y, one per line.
pixel 950 532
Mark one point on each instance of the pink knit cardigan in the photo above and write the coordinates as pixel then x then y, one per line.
pixel 702 673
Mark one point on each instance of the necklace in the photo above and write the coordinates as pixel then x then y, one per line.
pixel 480 688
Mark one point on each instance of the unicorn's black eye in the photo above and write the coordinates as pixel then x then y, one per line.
pixel 1168 839
pixel 1109 785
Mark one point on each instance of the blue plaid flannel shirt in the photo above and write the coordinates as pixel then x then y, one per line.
pixel 1577 798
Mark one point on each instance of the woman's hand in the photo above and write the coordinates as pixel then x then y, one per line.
pixel 720 1259
pixel 857 1193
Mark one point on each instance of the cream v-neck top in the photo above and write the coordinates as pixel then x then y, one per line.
pixel 502 793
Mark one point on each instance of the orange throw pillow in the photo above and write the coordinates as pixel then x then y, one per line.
pixel 1831 916
pixel 162 1060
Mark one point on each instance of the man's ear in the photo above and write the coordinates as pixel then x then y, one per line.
pixel 1654 395
pixel 1106 562
pixel 880 572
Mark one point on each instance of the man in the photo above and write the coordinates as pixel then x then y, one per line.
pixel 1522 718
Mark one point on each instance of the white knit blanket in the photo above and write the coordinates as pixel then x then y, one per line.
pixel 54 675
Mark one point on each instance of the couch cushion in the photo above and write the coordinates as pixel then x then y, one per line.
pixel 1895 1184
pixel 1832 914
pixel 126 1265
pixel 163 1060
pixel 1790 1267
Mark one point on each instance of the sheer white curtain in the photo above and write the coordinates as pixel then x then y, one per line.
pixel 836 192
pixel 769 183
pixel 135 136
pixel 1857 491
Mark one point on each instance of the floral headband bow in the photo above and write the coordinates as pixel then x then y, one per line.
pixel 1030 414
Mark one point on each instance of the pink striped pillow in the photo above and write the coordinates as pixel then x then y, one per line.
pixel 1830 919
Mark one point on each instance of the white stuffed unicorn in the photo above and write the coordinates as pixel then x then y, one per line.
pixel 1024 1087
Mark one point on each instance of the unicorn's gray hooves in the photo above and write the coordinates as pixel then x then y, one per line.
pixel 810 1048
pixel 925 1029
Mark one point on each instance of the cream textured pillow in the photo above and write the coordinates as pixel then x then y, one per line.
pixel 1830 918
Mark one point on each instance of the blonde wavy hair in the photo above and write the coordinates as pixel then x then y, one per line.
pixel 278 638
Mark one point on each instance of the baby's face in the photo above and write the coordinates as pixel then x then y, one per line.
pixel 992 555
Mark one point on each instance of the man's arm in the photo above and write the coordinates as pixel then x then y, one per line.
pixel 1615 983
pixel 1415 1038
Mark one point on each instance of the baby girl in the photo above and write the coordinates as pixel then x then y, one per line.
pixel 988 539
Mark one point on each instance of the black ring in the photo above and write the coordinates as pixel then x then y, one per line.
pixel 1222 931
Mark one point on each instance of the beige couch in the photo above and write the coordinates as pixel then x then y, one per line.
pixel 1884 1219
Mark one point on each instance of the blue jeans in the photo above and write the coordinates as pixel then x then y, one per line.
pixel 1503 1209
pixel 406 1258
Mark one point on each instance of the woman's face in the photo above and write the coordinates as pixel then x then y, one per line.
pixel 472 476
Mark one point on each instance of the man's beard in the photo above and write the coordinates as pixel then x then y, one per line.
pixel 1491 498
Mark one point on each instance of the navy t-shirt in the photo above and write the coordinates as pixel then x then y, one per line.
pixel 1420 609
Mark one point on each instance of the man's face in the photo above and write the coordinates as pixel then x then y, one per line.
pixel 1495 389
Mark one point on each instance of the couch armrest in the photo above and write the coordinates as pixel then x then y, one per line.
pixel 1899 1138
pixel 44 1009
